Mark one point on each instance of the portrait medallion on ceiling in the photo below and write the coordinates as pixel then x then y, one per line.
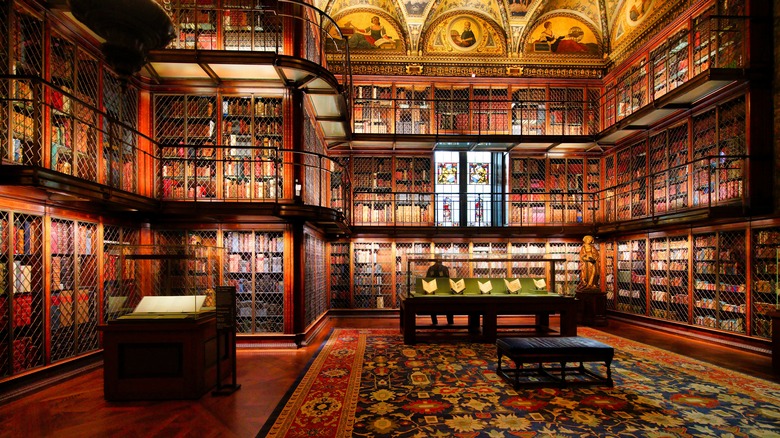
pixel 463 34
pixel 370 31
pixel 562 35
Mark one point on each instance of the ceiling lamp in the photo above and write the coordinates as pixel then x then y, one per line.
pixel 131 29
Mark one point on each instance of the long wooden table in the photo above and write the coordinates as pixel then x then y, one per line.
pixel 489 307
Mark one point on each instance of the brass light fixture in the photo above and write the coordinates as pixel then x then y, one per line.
pixel 131 29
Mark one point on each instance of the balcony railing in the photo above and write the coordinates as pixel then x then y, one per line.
pixel 704 183
pixel 207 173
pixel 50 127
pixel 47 127
pixel 405 209
pixel 475 117
pixel 261 26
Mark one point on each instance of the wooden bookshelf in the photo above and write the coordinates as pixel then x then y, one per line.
pixel 764 297
pixel 413 190
pixel 527 191
pixel 668 278
pixel 22 333
pixel 185 126
pixel 254 264
pixel 372 275
pixel 719 281
pixel 632 276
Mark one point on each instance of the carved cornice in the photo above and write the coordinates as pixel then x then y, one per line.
pixel 480 69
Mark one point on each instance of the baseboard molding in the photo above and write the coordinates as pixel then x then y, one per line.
pixel 694 333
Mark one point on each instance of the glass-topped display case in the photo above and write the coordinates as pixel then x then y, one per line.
pixel 162 281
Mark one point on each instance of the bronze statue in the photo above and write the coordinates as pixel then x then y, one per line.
pixel 589 264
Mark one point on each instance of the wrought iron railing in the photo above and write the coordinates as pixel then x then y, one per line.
pixel 51 127
pixel 704 183
pixel 474 117
pixel 205 173
pixel 261 26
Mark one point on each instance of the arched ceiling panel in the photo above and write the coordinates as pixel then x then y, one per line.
pixel 371 30
pixel 584 31
pixel 563 35
pixel 464 33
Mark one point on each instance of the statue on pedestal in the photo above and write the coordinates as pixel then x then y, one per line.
pixel 589 266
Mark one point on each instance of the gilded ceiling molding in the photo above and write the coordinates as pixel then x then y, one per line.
pixel 514 50
pixel 476 69
pixel 563 72
pixel 414 36
pixel 605 33
pixel 647 30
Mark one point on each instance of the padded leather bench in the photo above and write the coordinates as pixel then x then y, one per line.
pixel 552 350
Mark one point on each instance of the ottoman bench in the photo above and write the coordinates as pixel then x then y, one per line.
pixel 551 350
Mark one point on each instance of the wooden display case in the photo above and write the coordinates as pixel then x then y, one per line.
pixel 165 270
pixel 159 359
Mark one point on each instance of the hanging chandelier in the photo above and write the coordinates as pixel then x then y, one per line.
pixel 131 29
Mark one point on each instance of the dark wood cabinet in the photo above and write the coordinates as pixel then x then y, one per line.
pixel 163 359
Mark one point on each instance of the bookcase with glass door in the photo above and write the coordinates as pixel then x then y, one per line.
pixel 186 129
pixel 254 264
pixel 22 292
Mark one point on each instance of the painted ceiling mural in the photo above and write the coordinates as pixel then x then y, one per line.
pixel 546 32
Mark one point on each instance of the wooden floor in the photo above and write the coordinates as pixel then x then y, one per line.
pixel 76 408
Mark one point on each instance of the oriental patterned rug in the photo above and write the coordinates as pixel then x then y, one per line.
pixel 367 383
